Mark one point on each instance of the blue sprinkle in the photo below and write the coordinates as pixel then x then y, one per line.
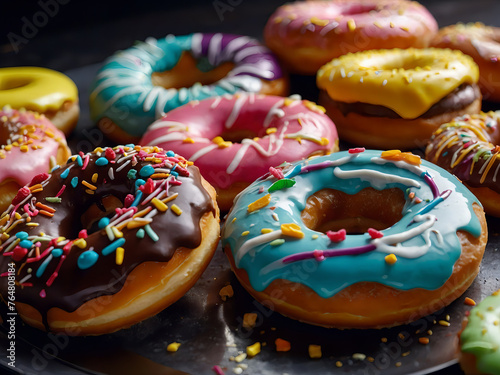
pixel 173 173
pixel 140 233
pixel 55 168
pixel 139 182
pixel 131 145
pixel 101 161
pixel 65 173
pixel 445 153
pixel 151 233
pixel 103 223
pixel 138 197
pixel 87 259
pixel 113 246
pixel 146 171
pixel 131 174
pixel 170 153
pixel 74 182
pixel 79 161
pixel 27 244
pixel 56 253
pixel 294 172
pixel 43 266
pixel 22 235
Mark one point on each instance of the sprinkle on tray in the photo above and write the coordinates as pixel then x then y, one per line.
pixel 249 320
pixel 423 340
pixel 469 301
pixel 226 292
pixel 282 345
pixel 173 347
pixel 253 349
pixel 315 351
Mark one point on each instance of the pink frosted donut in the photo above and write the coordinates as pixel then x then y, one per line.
pixel 308 34
pixel 234 139
pixel 29 145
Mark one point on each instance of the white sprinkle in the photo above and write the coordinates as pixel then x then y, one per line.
pixel 350 74
pixel 123 166
pixel 361 80
pixel 275 216
pixel 111 173
pixel 384 83
pixel 342 72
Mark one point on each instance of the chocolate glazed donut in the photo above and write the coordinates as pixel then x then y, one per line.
pixel 92 229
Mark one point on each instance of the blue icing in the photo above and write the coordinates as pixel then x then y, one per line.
pixel 429 270
pixel 123 91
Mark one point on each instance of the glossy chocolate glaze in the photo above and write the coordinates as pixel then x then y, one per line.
pixel 458 99
pixel 73 285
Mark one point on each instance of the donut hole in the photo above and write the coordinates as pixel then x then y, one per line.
pixel 354 9
pixel 102 208
pixel 14 83
pixel 236 136
pixel 197 72
pixel 330 209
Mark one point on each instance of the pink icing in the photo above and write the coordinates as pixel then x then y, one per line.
pixel 377 19
pixel 22 166
pixel 297 128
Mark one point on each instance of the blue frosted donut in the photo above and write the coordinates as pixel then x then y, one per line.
pixel 124 94
pixel 381 276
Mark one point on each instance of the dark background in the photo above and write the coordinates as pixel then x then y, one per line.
pixel 75 33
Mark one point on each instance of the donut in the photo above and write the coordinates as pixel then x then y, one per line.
pixel 307 34
pixel 482 44
pixel 234 139
pixel 109 239
pixel 138 85
pixel 356 239
pixel 479 340
pixel 397 98
pixel 29 145
pixel 41 90
pixel 469 148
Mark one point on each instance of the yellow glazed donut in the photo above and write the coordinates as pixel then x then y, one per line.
pixel 397 98
pixel 41 90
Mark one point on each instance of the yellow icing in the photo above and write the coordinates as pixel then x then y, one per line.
pixel 407 81
pixel 36 89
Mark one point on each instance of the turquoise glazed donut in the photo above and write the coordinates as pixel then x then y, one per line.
pixel 265 236
pixel 124 93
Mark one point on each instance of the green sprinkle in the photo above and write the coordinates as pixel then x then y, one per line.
pixel 140 233
pixel 53 199
pixel 279 241
pixel 131 174
pixel 281 184
pixel 151 233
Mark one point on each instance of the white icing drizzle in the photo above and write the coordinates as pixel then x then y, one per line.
pixel 172 125
pixel 254 242
pixel 238 104
pixel 385 243
pixel 377 179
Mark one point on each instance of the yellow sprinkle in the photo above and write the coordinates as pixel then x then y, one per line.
pixel 383 339
pixel 120 251
pixel 240 357
pixel 117 232
pixel 188 140
pixel 49 133
pixel 173 347
pixel 88 191
pixel 253 350
pixel 351 25
pixel 218 140
pixel 391 259
pixel 405 28
pixel 89 185
pixel 266 230
pixel 314 236
pixel 271 130
pixel 287 102
pixel 32 224
pixel 484 331
pixel 245 233
pixel 324 141
pixel 160 206
pixel 249 320
pixel 234 219
pixel 8 147
pixel 314 351
pixel 469 301
pixel 226 292
pixel 292 230
pixel 17 216
pixel 94 177
pixel 81 243
pixel 339 364
pixel 319 22
pixel 176 210
pixel 444 323
pixel 24 148
pixel 391 25
pixel 170 198
pixel 277 19
pixel 137 223
pixel 259 203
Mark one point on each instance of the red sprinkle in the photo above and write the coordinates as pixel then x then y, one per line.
pixel 148 187
pixel 337 236
pixel 278 173
pixel 83 234
pixel 318 255
pixel 110 154
pixel 19 253
pixel 218 370
pixel 356 150
pixel 21 194
pixel 42 293
pixel 375 233
pixel 129 199
pixel 39 178
pixel 60 191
